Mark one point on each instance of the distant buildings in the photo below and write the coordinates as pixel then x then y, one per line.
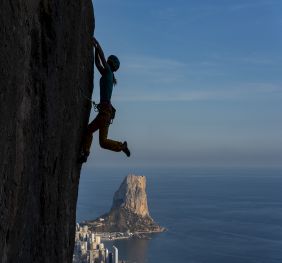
pixel 115 255
pixel 89 249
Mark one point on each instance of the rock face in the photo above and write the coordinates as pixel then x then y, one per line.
pixel 46 59
pixel 132 196
pixel 129 209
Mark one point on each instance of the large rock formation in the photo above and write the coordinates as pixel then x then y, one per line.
pixel 132 195
pixel 46 59
pixel 129 210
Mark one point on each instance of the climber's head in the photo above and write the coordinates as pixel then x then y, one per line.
pixel 114 63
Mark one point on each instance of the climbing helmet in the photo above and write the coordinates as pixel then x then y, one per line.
pixel 114 61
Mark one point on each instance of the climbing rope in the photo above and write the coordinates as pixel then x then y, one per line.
pixel 95 105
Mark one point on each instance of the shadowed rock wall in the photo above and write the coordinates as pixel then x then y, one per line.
pixel 46 57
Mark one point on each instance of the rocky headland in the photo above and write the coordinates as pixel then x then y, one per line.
pixel 129 211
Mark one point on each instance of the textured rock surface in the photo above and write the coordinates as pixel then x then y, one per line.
pixel 132 195
pixel 129 210
pixel 45 59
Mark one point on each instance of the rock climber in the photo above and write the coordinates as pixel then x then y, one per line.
pixel 106 110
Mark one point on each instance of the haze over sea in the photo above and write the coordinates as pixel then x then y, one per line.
pixel 212 215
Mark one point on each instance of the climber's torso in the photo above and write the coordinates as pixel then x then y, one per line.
pixel 106 85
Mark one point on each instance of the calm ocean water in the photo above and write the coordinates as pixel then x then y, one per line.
pixel 212 215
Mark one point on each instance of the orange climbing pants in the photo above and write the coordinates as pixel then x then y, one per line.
pixel 101 123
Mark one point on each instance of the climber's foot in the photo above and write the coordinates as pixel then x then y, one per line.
pixel 125 149
pixel 83 157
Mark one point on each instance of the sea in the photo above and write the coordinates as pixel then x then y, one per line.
pixel 212 215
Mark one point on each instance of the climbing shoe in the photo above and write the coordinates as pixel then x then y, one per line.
pixel 125 149
pixel 83 157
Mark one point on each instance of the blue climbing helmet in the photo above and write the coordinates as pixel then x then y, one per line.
pixel 114 62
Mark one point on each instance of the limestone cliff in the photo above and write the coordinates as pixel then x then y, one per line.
pixel 46 59
pixel 129 209
pixel 132 196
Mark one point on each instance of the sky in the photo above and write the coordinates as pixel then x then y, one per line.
pixel 200 82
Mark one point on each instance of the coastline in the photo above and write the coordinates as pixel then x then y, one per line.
pixel 110 236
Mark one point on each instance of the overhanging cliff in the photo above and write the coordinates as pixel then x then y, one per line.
pixel 46 59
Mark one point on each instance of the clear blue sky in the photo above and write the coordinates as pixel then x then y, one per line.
pixel 200 82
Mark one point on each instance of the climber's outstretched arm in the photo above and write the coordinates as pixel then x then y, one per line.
pixel 100 60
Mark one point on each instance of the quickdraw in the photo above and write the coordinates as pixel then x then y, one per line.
pixel 95 105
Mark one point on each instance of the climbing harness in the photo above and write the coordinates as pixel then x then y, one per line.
pixel 102 110
pixel 98 107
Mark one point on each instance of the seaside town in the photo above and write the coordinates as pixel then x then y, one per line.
pixel 89 249
pixel 130 219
